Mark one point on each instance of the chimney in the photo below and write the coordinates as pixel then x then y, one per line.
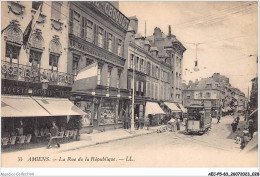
pixel 170 31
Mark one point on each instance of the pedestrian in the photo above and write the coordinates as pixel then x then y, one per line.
pixel 218 119
pixel 177 124
pixel 251 128
pixel 234 126
pixel 53 135
pixel 137 122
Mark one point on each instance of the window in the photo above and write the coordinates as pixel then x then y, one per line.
pixel 119 48
pixel 109 76
pixel 141 65
pixel 100 37
pixel 53 61
pixel 188 96
pixel 157 72
pixel 137 63
pixel 56 10
pixel 137 86
pixel 148 68
pixel 76 24
pixel 36 5
pixel 75 64
pixel 209 86
pixel 35 58
pixel 142 88
pixel 147 88
pixel 118 79
pixel 12 53
pixel 90 31
pixel 110 43
pixel 131 61
pixel 99 75
pixel 208 94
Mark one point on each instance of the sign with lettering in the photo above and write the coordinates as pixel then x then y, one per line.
pixel 93 51
pixel 113 13
pixel 14 71
pixel 33 91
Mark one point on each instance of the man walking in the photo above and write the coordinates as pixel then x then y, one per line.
pixel 54 133
pixel 218 119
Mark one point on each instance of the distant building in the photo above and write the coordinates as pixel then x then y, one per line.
pixel 218 91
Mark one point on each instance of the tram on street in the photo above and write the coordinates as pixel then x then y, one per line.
pixel 199 119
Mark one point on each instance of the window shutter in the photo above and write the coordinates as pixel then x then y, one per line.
pixel 83 28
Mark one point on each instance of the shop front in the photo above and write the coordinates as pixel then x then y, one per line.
pixel 153 113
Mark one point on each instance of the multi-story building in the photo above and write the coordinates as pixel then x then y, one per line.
pixel 172 50
pixel 153 70
pixel 97 33
pixel 33 43
pixel 218 91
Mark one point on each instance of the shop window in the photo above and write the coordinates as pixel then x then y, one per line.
pixel 90 31
pixel 131 61
pixel 110 43
pixel 75 64
pixel 119 47
pixel 108 114
pixel 35 58
pixel 56 10
pixel 100 37
pixel 36 4
pixel 53 61
pixel 99 75
pixel 12 53
pixel 76 24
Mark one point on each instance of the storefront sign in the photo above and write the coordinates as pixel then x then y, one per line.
pixel 25 73
pixel 35 92
pixel 92 51
pixel 113 13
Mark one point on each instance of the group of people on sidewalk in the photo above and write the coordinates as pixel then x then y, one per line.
pixel 242 137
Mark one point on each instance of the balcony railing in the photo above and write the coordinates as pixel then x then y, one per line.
pixel 19 72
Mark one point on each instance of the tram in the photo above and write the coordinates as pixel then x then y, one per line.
pixel 199 119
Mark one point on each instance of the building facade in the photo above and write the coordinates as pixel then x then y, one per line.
pixel 34 63
pixel 223 97
pixel 153 70
pixel 97 33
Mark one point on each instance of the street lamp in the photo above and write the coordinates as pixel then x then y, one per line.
pixel 133 97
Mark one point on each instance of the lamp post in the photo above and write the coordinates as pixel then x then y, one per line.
pixel 133 98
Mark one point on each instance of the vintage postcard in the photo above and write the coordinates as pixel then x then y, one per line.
pixel 129 84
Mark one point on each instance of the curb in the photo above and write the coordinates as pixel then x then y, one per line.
pixel 104 142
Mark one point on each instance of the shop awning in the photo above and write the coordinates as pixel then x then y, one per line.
pixel 184 110
pixel 172 106
pixel 59 106
pixel 21 106
pixel 153 108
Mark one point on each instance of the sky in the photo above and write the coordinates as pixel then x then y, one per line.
pixel 227 33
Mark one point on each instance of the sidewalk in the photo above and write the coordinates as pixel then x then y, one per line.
pixel 87 140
